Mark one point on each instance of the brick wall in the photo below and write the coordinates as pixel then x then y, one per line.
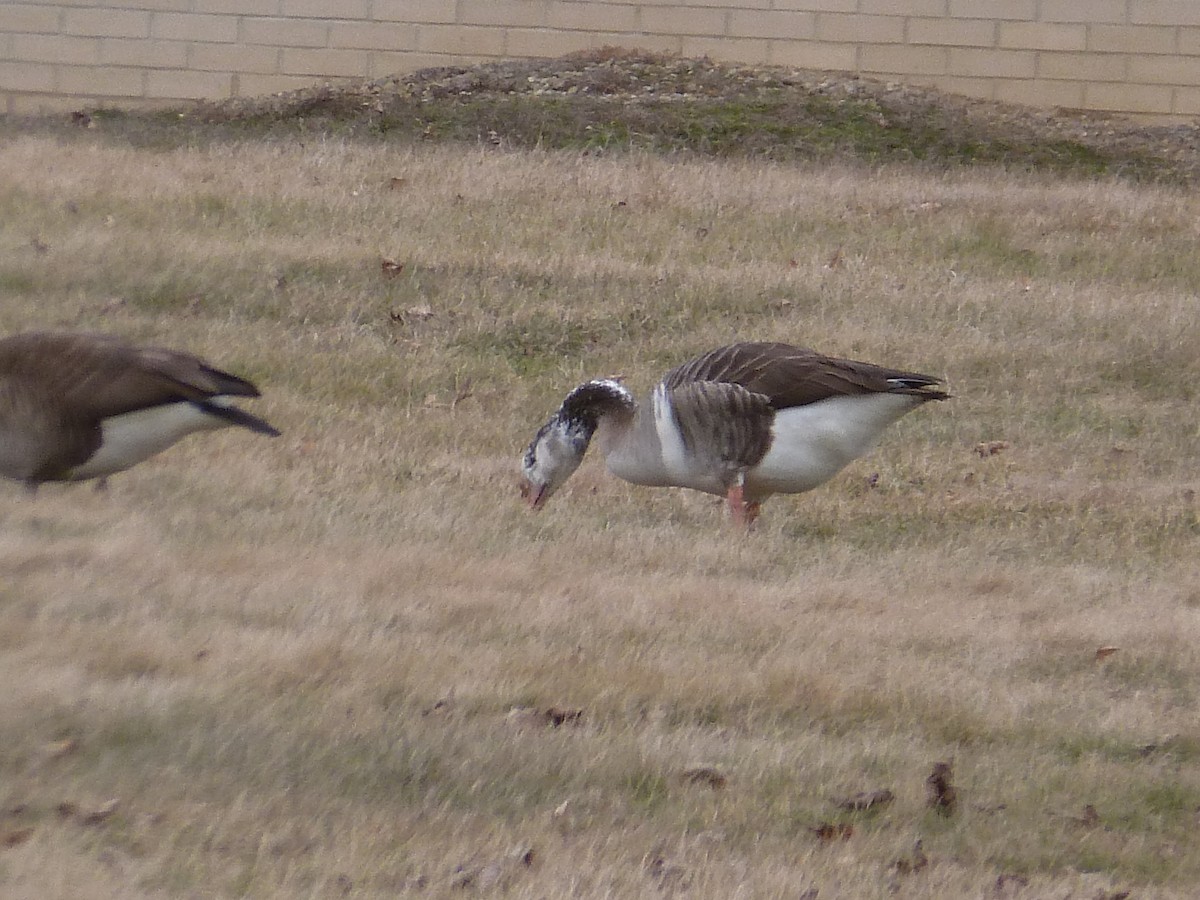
pixel 1134 56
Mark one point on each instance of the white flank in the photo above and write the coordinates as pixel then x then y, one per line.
pixel 813 443
pixel 130 438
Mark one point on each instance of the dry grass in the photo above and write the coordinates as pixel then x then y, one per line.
pixel 292 661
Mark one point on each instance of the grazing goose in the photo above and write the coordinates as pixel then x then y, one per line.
pixel 79 406
pixel 743 422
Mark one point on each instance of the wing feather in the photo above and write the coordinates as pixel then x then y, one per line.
pixel 796 376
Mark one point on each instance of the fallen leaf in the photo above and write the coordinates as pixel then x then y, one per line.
pixel 439 706
pixel 59 749
pixel 706 775
pixel 16 837
pixel 1162 743
pixel 917 861
pixel 990 448
pixel 100 814
pixel 1105 652
pixel 557 716
pixel 833 831
pixel 942 795
pixel 1089 819
pixel 666 873
pixel 461 393
pixel 867 800
pixel 1004 880
pixel 553 716
pixel 390 267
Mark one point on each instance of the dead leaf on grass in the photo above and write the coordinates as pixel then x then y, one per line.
pixel 439 706
pixel 1004 880
pixel 942 794
pixel 710 776
pixel 665 872
pixel 990 448
pixel 915 862
pixel 866 800
pixel 532 717
pixel 418 313
pixel 59 749
pixel 832 831
pixel 101 813
pixel 561 715
pixel 1163 743
pixel 16 837
pixel 1089 819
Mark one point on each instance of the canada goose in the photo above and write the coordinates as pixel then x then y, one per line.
pixel 743 422
pixel 79 406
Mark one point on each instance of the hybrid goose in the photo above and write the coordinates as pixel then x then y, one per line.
pixel 743 422
pixel 80 406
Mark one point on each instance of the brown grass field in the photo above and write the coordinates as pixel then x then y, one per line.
pixel 292 663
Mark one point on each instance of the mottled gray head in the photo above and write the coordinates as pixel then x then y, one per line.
pixel 559 446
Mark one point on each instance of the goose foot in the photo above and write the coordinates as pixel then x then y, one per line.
pixel 743 512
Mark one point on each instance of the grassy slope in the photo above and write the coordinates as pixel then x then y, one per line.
pixel 292 661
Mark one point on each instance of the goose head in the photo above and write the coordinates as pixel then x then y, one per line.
pixel 559 446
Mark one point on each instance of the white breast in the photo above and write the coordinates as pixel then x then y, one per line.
pixel 130 438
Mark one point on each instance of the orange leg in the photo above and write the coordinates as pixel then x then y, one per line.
pixel 743 512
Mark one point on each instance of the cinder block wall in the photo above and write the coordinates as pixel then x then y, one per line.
pixel 1132 56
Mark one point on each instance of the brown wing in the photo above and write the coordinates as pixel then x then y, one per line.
pixel 95 376
pixel 796 376
pixel 724 424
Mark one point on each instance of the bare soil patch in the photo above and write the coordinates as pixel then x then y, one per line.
pixel 614 99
